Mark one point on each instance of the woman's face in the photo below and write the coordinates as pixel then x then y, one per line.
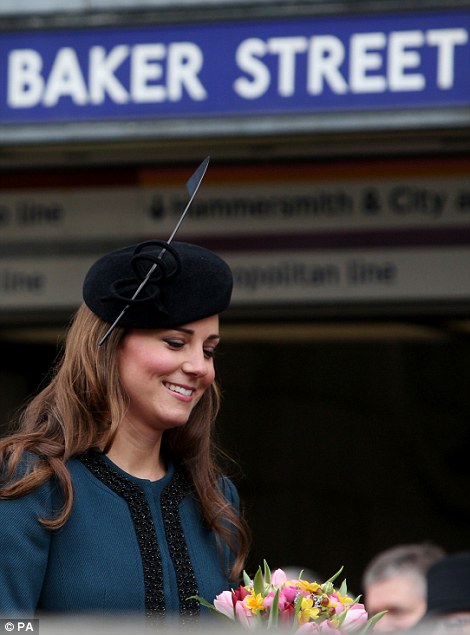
pixel 166 371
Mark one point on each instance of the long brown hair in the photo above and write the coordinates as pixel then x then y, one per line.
pixel 82 407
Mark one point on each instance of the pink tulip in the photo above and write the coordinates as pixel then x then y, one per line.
pixel 286 614
pixel 356 617
pixel 282 601
pixel 268 600
pixel 336 603
pixel 278 578
pixel 290 592
pixel 307 629
pixel 327 627
pixel 239 595
pixel 244 616
pixel 224 604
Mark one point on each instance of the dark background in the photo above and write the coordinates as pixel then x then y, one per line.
pixel 348 448
pixel 344 448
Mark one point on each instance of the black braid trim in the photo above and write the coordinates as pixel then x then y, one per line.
pixel 144 528
pixel 172 496
pixel 141 515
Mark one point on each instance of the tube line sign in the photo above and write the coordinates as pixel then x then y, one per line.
pixel 243 68
pixel 397 233
pixel 277 278
pixel 434 210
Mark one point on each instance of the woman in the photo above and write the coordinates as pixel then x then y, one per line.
pixel 111 498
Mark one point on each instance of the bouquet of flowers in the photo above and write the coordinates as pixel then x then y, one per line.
pixel 270 600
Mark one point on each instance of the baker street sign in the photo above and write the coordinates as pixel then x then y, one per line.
pixel 307 65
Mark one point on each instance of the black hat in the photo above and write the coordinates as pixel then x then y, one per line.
pixel 187 283
pixel 449 584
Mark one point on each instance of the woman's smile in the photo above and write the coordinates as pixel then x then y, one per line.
pixel 183 391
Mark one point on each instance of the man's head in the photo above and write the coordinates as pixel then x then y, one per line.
pixel 395 581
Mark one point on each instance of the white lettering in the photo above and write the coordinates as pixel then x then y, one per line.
pixel 362 60
pixel 326 54
pixel 145 69
pixel 377 62
pixel 400 60
pixel 156 72
pixel 287 48
pixel 247 55
pixel 65 79
pixel 25 83
pixel 446 40
pixel 102 80
pixel 185 60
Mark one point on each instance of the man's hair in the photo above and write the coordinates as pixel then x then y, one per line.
pixel 402 559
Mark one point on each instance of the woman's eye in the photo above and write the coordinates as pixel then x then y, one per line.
pixel 209 353
pixel 174 343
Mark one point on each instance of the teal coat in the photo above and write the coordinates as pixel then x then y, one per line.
pixel 130 545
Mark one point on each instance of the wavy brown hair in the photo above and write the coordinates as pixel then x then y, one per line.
pixel 81 408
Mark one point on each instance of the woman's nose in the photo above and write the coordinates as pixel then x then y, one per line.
pixel 196 364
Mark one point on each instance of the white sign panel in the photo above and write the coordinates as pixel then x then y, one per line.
pixel 291 236
pixel 129 213
pixel 42 283
pixel 352 275
pixel 287 66
pixel 274 278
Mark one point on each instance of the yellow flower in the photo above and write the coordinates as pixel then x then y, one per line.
pixel 344 599
pixel 307 611
pixel 309 587
pixel 254 602
pixel 338 599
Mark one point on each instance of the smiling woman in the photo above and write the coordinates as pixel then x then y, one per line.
pixel 164 374
pixel 111 498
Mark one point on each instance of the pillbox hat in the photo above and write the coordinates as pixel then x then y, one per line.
pixel 188 283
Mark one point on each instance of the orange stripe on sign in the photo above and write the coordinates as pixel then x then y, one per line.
pixel 306 172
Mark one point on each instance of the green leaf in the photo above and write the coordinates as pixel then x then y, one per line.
pixel 328 587
pixel 246 579
pixel 273 614
pixel 333 577
pixel 297 603
pixel 267 573
pixel 343 589
pixel 202 601
pixel 340 617
pixel 371 622
pixel 258 582
pixel 209 606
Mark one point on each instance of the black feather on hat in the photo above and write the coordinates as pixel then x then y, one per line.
pixel 188 283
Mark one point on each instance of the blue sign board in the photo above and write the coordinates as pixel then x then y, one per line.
pixel 223 69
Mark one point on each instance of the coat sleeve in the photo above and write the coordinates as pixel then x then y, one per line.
pixel 24 549
pixel 231 494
